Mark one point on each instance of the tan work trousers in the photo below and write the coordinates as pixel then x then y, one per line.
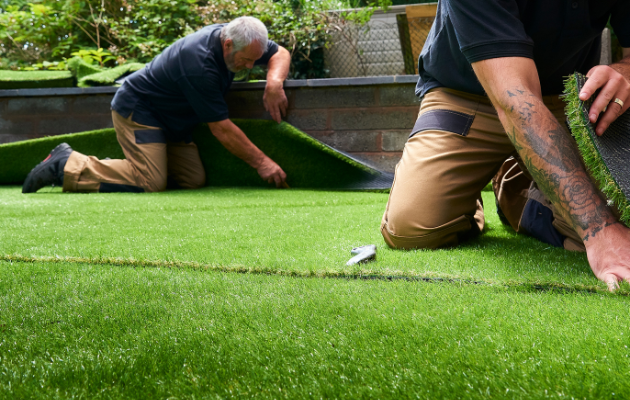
pixel 435 200
pixel 151 161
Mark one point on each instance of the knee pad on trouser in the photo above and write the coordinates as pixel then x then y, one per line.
pixel 445 235
pixel 540 221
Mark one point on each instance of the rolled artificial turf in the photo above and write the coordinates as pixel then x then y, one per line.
pixel 80 68
pixel 35 79
pixel 84 74
pixel 307 162
pixel 606 157
pixel 108 77
pixel 88 75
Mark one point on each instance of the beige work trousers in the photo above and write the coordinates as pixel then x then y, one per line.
pixel 435 200
pixel 151 161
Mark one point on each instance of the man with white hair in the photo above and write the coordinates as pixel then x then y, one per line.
pixel 157 107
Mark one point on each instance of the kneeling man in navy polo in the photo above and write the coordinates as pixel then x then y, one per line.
pixel 156 109
pixel 490 75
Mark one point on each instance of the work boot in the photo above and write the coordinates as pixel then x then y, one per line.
pixel 49 171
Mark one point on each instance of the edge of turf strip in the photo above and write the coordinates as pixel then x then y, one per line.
pixel 11 80
pixel 582 131
pixel 391 275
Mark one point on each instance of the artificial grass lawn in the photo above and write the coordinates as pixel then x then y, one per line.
pixel 307 162
pixel 294 232
pixel 72 330
pixel 136 296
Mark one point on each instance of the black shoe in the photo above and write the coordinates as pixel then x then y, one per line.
pixel 49 171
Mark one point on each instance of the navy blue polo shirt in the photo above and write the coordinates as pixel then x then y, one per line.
pixel 183 86
pixel 561 36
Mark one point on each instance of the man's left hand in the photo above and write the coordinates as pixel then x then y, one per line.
pixel 276 102
pixel 613 86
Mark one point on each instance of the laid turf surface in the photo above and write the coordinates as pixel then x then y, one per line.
pixel 139 296
pixel 82 331
pixel 295 232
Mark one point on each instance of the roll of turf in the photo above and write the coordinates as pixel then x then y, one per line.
pixel 308 162
pixel 607 157
pixel 35 79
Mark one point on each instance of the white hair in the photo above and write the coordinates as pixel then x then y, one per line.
pixel 244 31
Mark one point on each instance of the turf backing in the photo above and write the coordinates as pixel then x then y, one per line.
pixel 35 79
pixel 83 331
pixel 590 145
pixel 307 162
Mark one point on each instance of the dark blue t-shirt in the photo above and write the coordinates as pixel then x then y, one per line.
pixel 561 36
pixel 183 86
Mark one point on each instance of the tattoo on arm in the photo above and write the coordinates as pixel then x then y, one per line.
pixel 552 159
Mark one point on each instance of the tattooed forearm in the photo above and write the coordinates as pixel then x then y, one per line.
pixel 550 155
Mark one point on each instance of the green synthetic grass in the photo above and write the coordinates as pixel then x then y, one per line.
pixel 84 74
pixel 18 158
pixel 307 162
pixel 107 77
pixel 222 293
pixel 35 79
pixel 290 232
pixel 88 75
pixel 99 332
pixel 584 134
pixel 80 69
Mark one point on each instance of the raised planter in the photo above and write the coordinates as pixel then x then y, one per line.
pixel 368 117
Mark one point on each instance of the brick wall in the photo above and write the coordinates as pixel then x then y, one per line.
pixel 369 118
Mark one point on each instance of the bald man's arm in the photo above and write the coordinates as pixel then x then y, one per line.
pixel 237 143
pixel 275 99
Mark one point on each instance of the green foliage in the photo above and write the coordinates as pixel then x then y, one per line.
pixel 52 30
pixel 90 56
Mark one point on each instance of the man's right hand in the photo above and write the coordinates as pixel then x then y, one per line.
pixel 271 172
pixel 609 255
pixel 235 141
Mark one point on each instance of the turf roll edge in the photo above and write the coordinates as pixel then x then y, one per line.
pixel 595 149
pixel 10 80
pixel 307 162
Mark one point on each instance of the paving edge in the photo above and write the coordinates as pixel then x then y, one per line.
pixel 298 83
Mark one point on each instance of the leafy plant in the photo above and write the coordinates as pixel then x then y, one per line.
pixel 90 56
pixel 53 30
pixel 48 66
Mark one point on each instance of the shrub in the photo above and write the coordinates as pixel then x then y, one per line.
pixel 51 30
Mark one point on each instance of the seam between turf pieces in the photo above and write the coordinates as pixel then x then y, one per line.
pixel 582 131
pixel 358 275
